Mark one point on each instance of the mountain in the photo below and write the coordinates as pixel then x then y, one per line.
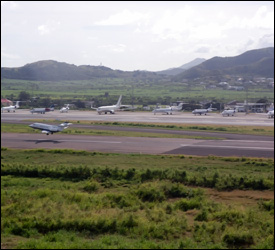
pixel 50 70
pixel 193 63
pixel 178 70
pixel 258 62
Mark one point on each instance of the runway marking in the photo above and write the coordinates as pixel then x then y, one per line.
pixel 110 142
pixel 248 141
pixel 235 147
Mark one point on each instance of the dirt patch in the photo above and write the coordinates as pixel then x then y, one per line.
pixel 239 197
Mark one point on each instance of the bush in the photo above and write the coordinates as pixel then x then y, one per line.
pixel 186 205
pixel 238 239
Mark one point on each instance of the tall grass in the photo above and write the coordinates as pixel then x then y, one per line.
pixel 77 199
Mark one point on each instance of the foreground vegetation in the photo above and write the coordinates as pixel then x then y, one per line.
pixel 78 199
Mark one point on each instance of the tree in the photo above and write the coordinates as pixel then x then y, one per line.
pixel 24 96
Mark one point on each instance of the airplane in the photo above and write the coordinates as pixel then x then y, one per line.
pixel 168 110
pixel 228 112
pixel 11 107
pixel 202 111
pixel 50 129
pixel 42 110
pixel 270 114
pixel 65 109
pixel 111 109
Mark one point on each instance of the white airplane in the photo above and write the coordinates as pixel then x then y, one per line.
pixel 111 109
pixel 11 107
pixel 50 129
pixel 270 114
pixel 202 111
pixel 228 112
pixel 42 110
pixel 65 109
pixel 168 110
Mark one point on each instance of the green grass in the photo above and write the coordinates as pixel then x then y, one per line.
pixel 67 199
pixel 253 130
pixel 144 90
pixel 21 128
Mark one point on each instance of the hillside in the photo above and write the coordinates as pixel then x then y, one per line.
pixel 182 68
pixel 258 62
pixel 49 70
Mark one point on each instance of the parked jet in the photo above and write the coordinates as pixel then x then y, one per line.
pixel 270 114
pixel 65 109
pixel 168 110
pixel 42 110
pixel 228 112
pixel 111 109
pixel 11 107
pixel 202 111
pixel 50 129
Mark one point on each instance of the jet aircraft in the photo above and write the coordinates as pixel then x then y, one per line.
pixel 270 114
pixel 65 109
pixel 50 129
pixel 168 110
pixel 202 111
pixel 228 112
pixel 42 110
pixel 111 109
pixel 11 107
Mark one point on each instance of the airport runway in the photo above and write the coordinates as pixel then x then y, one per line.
pixel 141 145
pixel 177 118
pixel 231 145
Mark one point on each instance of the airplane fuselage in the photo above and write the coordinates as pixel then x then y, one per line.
pixel 38 110
pixel 228 112
pixel 200 111
pixel 167 111
pixel 106 109
pixel 9 109
pixel 49 129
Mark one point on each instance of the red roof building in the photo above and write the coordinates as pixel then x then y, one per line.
pixel 6 102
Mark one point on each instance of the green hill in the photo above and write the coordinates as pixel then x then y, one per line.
pixel 50 70
pixel 258 62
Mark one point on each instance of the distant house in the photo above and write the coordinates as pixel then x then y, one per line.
pixel 6 102
pixel 249 107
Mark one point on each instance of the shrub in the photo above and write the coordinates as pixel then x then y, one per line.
pixel 237 239
pixel 186 205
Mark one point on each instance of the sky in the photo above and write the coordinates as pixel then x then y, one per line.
pixel 134 35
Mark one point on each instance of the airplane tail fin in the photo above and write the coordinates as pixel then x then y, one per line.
pixel 65 124
pixel 119 101
pixel 17 104
pixel 180 106
pixel 210 108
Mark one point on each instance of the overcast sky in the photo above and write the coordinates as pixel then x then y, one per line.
pixel 132 35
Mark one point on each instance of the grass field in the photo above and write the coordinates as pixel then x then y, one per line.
pixel 66 199
pixel 143 91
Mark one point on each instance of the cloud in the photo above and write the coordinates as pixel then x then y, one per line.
pixel 173 24
pixel 9 56
pixel 118 48
pixel 49 27
pixel 203 49
pixel 10 4
pixel 266 41
pixel 123 18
